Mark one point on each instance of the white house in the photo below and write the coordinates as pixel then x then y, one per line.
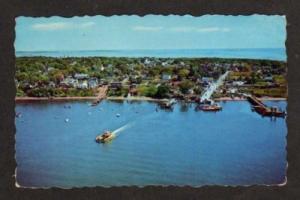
pixel 70 82
pixel 81 76
pixel 237 83
pixel 166 77
pixel 93 82
pixel 83 84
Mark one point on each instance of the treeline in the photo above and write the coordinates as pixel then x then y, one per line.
pixel 55 92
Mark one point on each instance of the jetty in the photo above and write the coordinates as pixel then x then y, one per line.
pixel 213 87
pixel 205 103
pixel 102 91
pixel 263 109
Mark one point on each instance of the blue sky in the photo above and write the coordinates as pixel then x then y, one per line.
pixel 149 32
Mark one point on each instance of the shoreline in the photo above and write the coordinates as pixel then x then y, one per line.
pixel 136 98
pixel 244 99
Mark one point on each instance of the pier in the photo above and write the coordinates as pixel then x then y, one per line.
pixel 101 95
pixel 213 87
pixel 264 110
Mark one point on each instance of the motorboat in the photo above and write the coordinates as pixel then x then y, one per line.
pixel 213 107
pixel 105 137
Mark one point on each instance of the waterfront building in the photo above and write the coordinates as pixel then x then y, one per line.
pixel 115 85
pixel 81 76
pixel 93 82
pixel 83 84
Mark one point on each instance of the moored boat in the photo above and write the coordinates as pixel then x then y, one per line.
pixel 96 102
pixel 214 107
pixel 167 104
pixel 105 137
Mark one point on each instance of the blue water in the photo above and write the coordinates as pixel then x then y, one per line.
pixel 184 147
pixel 271 54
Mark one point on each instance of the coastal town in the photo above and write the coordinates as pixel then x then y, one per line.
pixel 154 100
pixel 181 78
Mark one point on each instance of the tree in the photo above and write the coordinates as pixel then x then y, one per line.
pixel 183 73
pixel 162 91
pixel 184 86
pixel 198 90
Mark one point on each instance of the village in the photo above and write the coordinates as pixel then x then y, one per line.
pixel 181 78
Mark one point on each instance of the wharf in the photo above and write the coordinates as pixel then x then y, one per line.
pixel 264 110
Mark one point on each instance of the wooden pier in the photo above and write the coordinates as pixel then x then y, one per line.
pixel 101 95
pixel 264 110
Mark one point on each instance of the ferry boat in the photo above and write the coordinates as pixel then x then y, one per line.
pixel 105 137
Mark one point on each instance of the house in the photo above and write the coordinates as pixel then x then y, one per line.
pixel 52 84
pixel 81 76
pixel 133 92
pixel 115 85
pixel 190 91
pixel 166 77
pixel 147 61
pixel 133 85
pixel 207 80
pixel 237 83
pixel 268 78
pixel 69 82
pixel 49 69
pixel 82 84
pixel 232 90
pixel 17 83
pixel 73 63
pixel 93 82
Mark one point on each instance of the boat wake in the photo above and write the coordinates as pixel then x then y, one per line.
pixel 122 128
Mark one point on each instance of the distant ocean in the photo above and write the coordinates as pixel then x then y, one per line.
pixel 270 53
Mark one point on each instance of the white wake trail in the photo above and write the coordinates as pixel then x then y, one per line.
pixel 122 128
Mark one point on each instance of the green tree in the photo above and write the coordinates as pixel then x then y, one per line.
pixel 183 73
pixel 184 86
pixel 162 91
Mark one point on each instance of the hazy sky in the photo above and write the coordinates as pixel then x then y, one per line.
pixel 150 32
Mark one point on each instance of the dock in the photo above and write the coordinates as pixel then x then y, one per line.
pixel 263 109
pixel 101 95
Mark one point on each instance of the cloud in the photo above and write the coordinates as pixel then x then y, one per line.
pixel 87 24
pixel 199 30
pixel 60 26
pixel 50 26
pixel 147 28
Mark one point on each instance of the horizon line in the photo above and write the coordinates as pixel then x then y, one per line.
pixel 150 49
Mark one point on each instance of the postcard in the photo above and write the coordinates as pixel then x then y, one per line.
pixel 153 100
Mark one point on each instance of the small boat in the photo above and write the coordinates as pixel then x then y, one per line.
pixel 105 137
pixel 118 115
pixel 67 120
pixel 18 115
pixel 167 104
pixel 214 107
pixel 95 103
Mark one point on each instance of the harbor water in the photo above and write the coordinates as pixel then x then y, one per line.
pixel 152 146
